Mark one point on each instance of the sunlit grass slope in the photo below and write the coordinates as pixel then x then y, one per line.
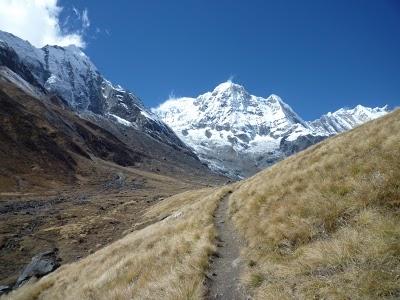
pixel 325 224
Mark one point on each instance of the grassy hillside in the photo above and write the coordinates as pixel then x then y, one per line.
pixel 165 260
pixel 323 224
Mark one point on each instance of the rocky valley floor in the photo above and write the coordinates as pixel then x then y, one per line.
pixel 80 219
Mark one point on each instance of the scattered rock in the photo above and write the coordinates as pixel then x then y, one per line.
pixel 236 262
pixel 4 289
pixel 40 265
pixel 176 215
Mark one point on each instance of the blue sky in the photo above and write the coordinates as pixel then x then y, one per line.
pixel 317 55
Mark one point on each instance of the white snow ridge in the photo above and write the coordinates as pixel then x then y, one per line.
pixel 237 133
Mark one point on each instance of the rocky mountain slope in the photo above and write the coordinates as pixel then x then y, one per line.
pixel 68 73
pixel 62 90
pixel 237 133
pixel 44 141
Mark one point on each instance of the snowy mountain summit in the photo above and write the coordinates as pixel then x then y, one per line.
pixel 237 133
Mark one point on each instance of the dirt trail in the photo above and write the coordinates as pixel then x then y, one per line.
pixel 224 277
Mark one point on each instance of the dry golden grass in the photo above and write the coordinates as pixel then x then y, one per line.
pixel 165 260
pixel 325 224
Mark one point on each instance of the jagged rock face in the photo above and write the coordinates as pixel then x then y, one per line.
pixel 237 133
pixel 69 73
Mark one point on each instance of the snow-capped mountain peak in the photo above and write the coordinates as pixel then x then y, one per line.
pixel 238 133
pixel 230 89
pixel 226 94
pixel 227 85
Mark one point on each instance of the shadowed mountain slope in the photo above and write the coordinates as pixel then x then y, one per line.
pixel 43 140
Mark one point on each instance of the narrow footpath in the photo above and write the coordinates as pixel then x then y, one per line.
pixel 224 276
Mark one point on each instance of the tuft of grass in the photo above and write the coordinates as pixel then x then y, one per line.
pixel 325 223
pixel 252 263
pixel 256 280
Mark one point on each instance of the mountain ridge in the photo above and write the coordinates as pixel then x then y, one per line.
pixel 229 124
pixel 70 74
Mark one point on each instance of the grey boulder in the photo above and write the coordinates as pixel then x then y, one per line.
pixel 40 265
